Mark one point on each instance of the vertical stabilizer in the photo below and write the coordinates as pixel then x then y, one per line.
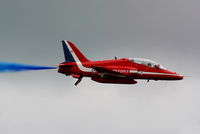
pixel 72 53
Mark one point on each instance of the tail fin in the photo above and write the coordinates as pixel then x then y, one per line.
pixel 72 54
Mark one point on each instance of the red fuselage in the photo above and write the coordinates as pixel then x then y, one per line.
pixel 124 66
pixel 118 71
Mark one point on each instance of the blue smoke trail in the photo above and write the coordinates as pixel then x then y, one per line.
pixel 15 67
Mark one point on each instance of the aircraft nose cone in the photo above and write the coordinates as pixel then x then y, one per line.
pixel 179 77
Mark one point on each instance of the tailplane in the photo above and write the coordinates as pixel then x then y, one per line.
pixel 72 53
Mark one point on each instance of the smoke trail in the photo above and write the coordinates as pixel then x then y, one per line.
pixel 15 67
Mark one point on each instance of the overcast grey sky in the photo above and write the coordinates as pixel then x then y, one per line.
pixel 166 31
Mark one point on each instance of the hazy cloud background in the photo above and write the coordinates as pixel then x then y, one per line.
pixel 166 31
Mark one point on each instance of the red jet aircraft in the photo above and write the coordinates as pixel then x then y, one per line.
pixel 115 71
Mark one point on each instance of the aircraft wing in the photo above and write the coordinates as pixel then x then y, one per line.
pixel 109 72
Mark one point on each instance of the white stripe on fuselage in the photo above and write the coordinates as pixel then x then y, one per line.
pixel 78 62
pixel 142 72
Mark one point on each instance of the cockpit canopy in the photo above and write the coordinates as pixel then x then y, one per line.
pixel 147 62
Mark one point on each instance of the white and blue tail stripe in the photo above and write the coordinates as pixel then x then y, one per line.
pixel 68 55
pixel 72 54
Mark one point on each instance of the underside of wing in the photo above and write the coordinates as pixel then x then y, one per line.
pixel 113 77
